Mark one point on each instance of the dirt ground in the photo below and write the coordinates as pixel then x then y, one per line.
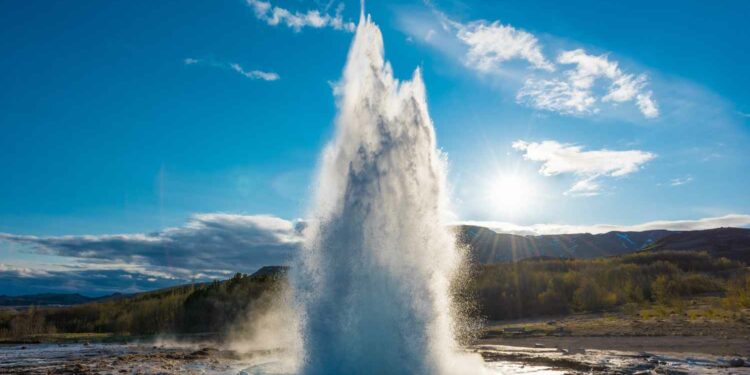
pixel 678 333
pixel 655 344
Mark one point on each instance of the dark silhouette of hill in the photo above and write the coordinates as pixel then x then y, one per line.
pixel 730 243
pixel 488 246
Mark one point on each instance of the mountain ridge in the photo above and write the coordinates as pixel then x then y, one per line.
pixel 488 246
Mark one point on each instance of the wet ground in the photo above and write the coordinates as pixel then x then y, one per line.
pixel 145 358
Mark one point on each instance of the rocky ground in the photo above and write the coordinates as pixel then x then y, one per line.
pixel 190 359
pixel 622 343
pixel 85 359
pixel 682 333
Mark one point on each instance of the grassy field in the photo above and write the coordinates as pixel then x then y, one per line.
pixel 703 317
pixel 700 325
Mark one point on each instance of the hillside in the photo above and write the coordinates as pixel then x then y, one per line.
pixel 46 299
pixel 191 308
pixel 528 288
pixel 488 246
pixel 730 243
pixel 64 299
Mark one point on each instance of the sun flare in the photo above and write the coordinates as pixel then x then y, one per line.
pixel 510 193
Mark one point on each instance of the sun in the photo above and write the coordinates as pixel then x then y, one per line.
pixel 510 193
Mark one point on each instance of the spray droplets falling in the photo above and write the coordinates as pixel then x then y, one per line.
pixel 373 281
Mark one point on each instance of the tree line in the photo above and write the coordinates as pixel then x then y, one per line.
pixel 196 308
pixel 539 287
pixel 532 287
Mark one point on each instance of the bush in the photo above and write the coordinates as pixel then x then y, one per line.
pixel 560 286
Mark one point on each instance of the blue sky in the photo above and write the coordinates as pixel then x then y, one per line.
pixel 131 117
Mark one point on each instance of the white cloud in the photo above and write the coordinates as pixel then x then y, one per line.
pixel 430 33
pixel 575 83
pixel 274 15
pixel 255 74
pixel 647 105
pixel 681 180
pixel 491 44
pixel 23 272
pixel 577 92
pixel 252 74
pixel 588 187
pixel 211 244
pixel 558 158
pixel 732 220
pixel 557 96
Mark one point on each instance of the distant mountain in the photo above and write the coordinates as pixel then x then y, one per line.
pixel 488 246
pixel 47 299
pixel 731 243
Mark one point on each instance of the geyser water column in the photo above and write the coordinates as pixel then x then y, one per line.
pixel 373 283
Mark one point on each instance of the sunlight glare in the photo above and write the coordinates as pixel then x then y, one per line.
pixel 510 193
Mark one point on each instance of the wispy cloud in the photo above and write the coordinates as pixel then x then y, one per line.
pixel 575 83
pixel 732 220
pixel 255 74
pixel 681 180
pixel 559 158
pixel 574 91
pixel 491 44
pixel 274 15
pixel 252 74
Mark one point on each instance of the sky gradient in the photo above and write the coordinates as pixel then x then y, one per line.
pixel 121 120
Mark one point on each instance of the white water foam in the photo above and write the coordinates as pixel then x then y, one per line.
pixel 373 282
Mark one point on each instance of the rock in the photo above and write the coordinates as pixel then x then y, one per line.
pixel 670 371
pixel 736 362
pixel 538 345
pixel 647 367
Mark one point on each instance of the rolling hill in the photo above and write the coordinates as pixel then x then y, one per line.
pixel 730 243
pixel 488 246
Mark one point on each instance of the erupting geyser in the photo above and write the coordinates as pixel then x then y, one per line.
pixel 373 282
